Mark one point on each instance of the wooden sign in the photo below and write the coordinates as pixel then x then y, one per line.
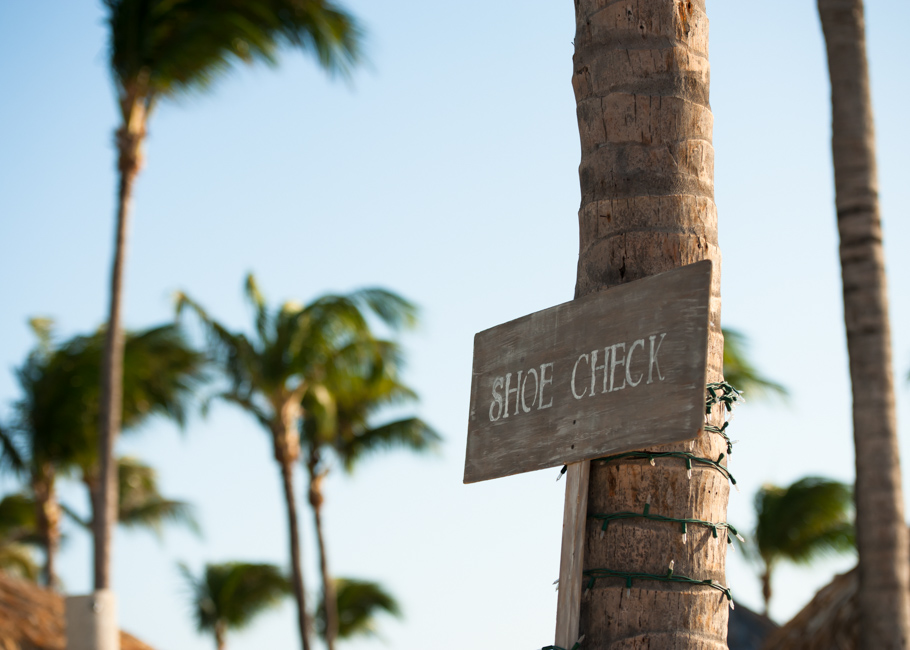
pixel 615 371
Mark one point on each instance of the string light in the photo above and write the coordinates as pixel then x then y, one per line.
pixel 688 457
pixel 669 576
pixel 717 393
pixel 684 523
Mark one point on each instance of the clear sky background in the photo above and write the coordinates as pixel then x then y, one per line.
pixel 446 171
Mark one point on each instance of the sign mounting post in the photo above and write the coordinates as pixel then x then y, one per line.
pixel 614 371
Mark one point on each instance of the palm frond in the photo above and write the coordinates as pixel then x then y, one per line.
pixel 18 521
pixel 170 47
pixel 19 560
pixel 409 433
pixel 76 518
pixel 142 506
pixel 43 329
pixel 740 371
pixel 233 593
pixel 359 602
pixel 810 518
pixel 257 301
pixel 394 310
pixel 11 458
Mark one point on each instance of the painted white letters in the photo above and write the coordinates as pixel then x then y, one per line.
pixel 574 369
pixel 653 361
pixel 629 381
pixel 497 399
pixel 615 366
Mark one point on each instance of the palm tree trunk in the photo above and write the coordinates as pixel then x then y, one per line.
pixel 129 142
pixel 220 643
pixel 287 476
pixel 329 597
pixel 766 589
pixel 48 520
pixel 641 79
pixel 884 572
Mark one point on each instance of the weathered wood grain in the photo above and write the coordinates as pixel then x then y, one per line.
pixel 610 372
pixel 574 524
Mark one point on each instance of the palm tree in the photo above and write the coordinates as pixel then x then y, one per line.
pixel 229 596
pixel 801 522
pixel 357 387
pixel 289 356
pixel 357 603
pixel 158 50
pixel 56 427
pixel 641 81
pixel 38 446
pixel 884 568
pixel 18 536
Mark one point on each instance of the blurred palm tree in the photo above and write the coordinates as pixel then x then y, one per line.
pixel 358 602
pixel 800 523
pixel 229 596
pixel 55 430
pixel 18 536
pixel 290 356
pixel 161 49
pixel 740 372
pixel 339 422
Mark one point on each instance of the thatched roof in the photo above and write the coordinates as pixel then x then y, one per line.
pixel 829 622
pixel 32 618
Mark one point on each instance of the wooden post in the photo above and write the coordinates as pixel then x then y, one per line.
pixel 575 516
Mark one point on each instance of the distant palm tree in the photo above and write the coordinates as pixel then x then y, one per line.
pixel 339 422
pixel 801 522
pixel 55 430
pixel 160 49
pixel 229 596
pixel 18 536
pixel 740 371
pixel 289 357
pixel 358 603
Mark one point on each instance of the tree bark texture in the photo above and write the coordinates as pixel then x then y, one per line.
pixel 48 520
pixel 882 541
pixel 129 142
pixel 284 454
pixel 641 80
pixel 329 597
pixel 220 635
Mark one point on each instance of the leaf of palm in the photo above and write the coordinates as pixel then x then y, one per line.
pixel 181 46
pixel 11 458
pixel 409 433
pixel 808 519
pixel 234 353
pixel 740 371
pixel 359 602
pixel 141 505
pixel 234 592
pixel 18 560
pixel 18 523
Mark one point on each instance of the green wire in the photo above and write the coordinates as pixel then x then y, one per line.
pixel 720 392
pixel 684 455
pixel 618 516
pixel 594 574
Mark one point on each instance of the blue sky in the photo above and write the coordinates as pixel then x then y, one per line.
pixel 447 170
